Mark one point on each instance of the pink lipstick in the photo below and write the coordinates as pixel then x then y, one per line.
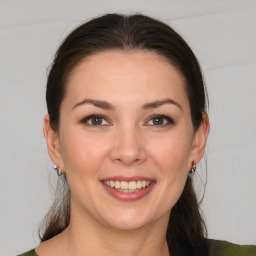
pixel 128 188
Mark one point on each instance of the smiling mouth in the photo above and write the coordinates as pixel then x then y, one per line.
pixel 127 187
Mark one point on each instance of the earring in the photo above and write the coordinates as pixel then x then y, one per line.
pixel 193 169
pixel 57 168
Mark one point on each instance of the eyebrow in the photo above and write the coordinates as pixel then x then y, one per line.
pixel 158 103
pixel 97 103
pixel 108 106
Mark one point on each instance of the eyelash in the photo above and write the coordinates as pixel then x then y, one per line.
pixel 86 119
pixel 168 120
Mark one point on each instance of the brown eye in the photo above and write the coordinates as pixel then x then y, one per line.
pixel 96 120
pixel 158 120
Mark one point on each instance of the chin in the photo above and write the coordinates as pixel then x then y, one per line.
pixel 129 220
pixel 125 225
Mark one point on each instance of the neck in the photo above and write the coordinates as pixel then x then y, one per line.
pixel 85 236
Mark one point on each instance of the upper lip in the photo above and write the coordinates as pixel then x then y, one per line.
pixel 128 179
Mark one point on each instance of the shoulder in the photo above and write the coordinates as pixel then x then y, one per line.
pixel 224 248
pixel 29 253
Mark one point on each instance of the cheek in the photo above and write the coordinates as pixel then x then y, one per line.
pixel 83 153
pixel 171 159
pixel 172 153
pixel 172 173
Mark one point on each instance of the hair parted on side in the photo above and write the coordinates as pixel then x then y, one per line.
pixel 186 228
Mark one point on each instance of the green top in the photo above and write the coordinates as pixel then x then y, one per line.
pixel 29 253
pixel 216 248
pixel 223 248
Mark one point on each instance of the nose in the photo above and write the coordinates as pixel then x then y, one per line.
pixel 128 147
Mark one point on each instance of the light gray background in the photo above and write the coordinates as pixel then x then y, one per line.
pixel 222 35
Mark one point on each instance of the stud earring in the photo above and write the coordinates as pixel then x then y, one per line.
pixel 57 168
pixel 193 169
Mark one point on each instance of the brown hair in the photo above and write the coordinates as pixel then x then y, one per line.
pixel 186 228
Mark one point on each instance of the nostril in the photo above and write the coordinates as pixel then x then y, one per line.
pixel 128 152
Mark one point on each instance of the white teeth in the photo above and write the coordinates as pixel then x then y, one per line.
pixel 125 186
pixel 139 184
pixel 117 184
pixel 111 183
pixel 132 185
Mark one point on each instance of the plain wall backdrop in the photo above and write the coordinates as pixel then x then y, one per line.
pixel 223 36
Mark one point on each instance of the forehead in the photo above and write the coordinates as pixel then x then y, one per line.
pixel 121 75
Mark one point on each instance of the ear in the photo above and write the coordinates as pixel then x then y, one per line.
pixel 199 141
pixel 53 144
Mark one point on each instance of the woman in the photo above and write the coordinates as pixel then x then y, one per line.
pixel 125 128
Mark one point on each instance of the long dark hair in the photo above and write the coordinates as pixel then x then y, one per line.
pixel 186 229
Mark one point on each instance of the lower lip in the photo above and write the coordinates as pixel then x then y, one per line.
pixel 129 196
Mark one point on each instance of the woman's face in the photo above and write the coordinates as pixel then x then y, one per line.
pixel 126 139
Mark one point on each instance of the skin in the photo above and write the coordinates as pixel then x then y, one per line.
pixel 129 142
